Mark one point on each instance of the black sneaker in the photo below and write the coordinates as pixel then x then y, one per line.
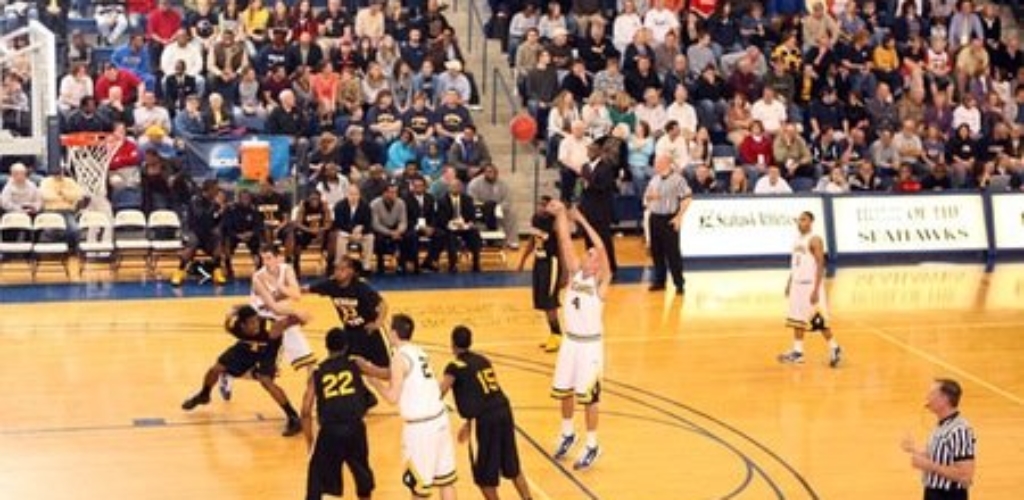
pixel 195 401
pixel 292 427
pixel 564 445
pixel 835 356
pixel 588 458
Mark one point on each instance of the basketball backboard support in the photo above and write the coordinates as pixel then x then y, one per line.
pixel 37 58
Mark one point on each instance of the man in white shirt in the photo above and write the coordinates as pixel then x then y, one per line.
pixel 572 155
pixel 682 112
pixel 770 111
pixel 773 183
pixel 660 20
pixel 626 24
pixel 652 110
pixel 184 49
pixel 673 145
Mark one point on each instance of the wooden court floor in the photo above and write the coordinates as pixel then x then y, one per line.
pixel 695 406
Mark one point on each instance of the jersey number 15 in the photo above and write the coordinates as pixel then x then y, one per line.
pixel 488 381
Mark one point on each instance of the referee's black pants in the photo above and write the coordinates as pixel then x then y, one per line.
pixel 665 250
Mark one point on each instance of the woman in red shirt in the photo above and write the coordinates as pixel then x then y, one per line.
pixel 756 148
pixel 325 86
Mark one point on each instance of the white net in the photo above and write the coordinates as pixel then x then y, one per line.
pixel 88 164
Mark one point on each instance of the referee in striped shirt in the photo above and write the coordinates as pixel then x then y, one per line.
pixel 667 197
pixel 947 464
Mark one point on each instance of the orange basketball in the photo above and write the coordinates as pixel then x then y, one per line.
pixel 523 127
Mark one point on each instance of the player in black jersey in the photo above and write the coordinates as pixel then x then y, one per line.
pixel 360 309
pixel 311 226
pixel 481 401
pixel 340 395
pixel 548 278
pixel 254 353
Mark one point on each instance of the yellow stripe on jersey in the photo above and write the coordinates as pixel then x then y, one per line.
pixel 445 479
pixel 560 393
pixel 304 361
pixel 591 395
pixel 414 482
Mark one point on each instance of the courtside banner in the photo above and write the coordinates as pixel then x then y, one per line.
pixel 1008 220
pixel 747 227
pixel 909 223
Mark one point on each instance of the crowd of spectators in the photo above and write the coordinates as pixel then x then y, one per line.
pixel 829 96
pixel 372 96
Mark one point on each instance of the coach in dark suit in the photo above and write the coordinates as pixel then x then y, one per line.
pixel 455 216
pixel 353 224
pixel 422 216
pixel 597 202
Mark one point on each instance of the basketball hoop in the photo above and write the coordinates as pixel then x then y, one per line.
pixel 88 160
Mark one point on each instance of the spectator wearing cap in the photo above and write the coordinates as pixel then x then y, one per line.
pixel 561 52
pixel 454 79
pixel 226 62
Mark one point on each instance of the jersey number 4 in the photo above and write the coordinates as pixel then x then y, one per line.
pixel 338 384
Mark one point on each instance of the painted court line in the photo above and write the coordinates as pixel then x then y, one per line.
pixel 931 358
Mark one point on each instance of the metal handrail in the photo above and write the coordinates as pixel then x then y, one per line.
pixel 476 21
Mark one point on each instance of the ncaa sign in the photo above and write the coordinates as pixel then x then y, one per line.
pixel 748 226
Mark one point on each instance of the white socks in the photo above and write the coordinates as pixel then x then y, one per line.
pixel 567 429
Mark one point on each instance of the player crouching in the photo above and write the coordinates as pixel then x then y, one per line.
pixel 255 353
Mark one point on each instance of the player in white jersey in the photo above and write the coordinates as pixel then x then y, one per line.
pixel 581 357
pixel 808 305
pixel 274 287
pixel 426 437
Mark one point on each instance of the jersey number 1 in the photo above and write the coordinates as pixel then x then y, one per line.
pixel 576 303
